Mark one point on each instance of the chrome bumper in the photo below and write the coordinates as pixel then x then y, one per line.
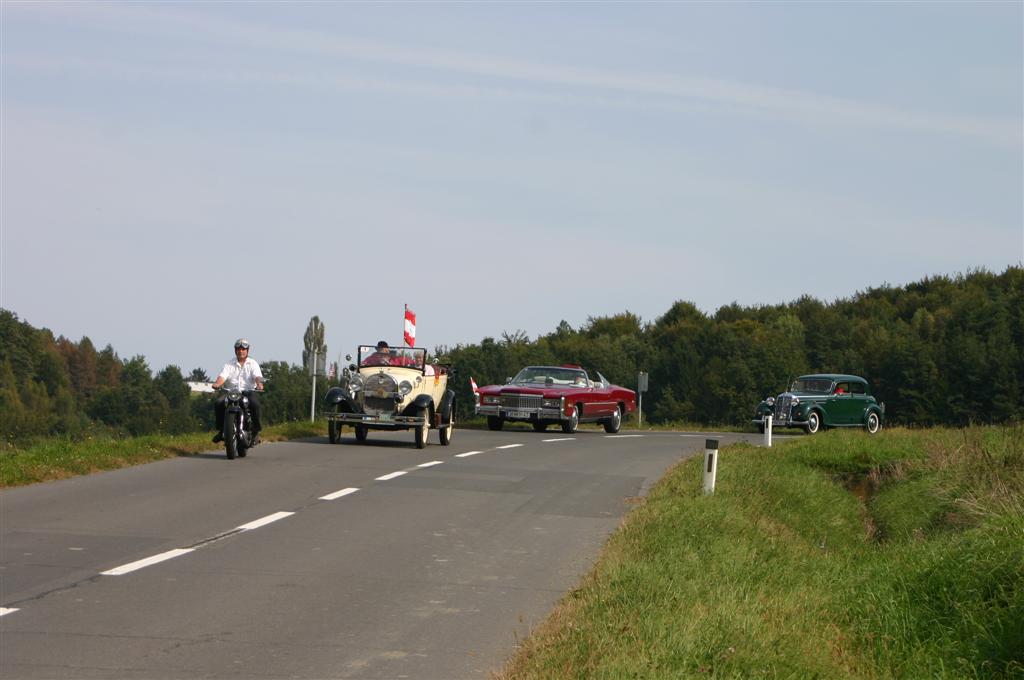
pixel 525 414
pixel 382 420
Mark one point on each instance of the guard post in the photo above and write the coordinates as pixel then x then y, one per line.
pixel 768 430
pixel 641 387
pixel 710 465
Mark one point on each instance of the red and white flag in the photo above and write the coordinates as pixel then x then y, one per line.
pixel 410 327
pixel 472 383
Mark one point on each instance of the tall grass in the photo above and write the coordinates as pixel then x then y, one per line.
pixel 56 458
pixel 784 572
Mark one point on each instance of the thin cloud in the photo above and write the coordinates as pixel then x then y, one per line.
pixel 602 87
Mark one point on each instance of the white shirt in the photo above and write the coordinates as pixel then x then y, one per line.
pixel 241 376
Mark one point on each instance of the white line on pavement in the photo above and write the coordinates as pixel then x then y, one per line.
pixel 338 494
pixel 467 453
pixel 391 475
pixel 562 439
pixel 509 446
pixel 431 463
pixel 4 611
pixel 264 521
pixel 621 436
pixel 155 559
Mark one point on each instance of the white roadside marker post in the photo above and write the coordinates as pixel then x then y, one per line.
pixel 710 465
pixel 768 431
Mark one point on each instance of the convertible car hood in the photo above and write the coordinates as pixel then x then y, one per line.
pixel 522 389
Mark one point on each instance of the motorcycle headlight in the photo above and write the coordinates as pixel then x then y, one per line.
pixel 404 387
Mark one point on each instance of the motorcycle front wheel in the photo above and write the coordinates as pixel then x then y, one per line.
pixel 230 438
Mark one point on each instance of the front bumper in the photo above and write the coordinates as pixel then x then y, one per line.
pixel 786 422
pixel 522 414
pixel 381 421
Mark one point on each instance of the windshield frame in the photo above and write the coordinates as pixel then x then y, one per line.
pixel 414 358
pixel 812 385
pixel 550 376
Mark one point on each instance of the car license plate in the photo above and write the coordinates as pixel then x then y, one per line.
pixel 385 416
pixel 518 414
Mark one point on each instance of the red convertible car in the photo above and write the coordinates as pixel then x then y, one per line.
pixel 556 395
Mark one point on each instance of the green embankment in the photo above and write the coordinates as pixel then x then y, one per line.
pixel 57 458
pixel 839 555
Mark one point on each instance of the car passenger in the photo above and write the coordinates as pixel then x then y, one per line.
pixel 381 357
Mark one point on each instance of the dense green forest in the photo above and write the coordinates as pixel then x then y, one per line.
pixel 53 386
pixel 945 350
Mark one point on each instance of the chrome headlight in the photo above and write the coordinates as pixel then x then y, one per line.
pixel 404 387
pixel 355 382
pixel 490 399
pixel 552 403
pixel 770 401
pixel 796 400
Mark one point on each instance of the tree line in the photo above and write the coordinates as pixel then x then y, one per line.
pixel 54 386
pixel 944 350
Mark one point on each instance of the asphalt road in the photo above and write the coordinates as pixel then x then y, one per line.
pixel 307 560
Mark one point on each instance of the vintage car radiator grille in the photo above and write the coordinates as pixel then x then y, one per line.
pixel 521 400
pixel 782 405
pixel 379 394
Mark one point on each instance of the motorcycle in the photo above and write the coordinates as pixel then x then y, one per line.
pixel 237 432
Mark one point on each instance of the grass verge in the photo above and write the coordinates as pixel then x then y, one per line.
pixel 51 459
pixel 841 555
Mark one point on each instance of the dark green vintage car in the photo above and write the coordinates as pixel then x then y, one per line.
pixel 823 400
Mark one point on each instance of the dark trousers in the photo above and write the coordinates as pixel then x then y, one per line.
pixel 254 411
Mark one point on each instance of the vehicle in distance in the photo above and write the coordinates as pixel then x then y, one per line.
pixel 391 389
pixel 565 395
pixel 823 400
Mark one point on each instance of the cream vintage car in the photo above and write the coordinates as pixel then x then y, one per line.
pixel 391 388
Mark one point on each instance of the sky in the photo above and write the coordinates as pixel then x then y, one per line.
pixel 177 175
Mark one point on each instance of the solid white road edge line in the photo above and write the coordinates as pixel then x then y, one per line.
pixel 391 475
pixel 338 494
pixel 509 446
pixel 155 559
pixel 431 463
pixel 467 453
pixel 4 611
pixel 562 439
pixel 621 436
pixel 264 521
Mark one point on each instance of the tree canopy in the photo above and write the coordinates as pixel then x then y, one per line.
pixel 944 350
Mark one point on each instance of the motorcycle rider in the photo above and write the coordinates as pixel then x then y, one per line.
pixel 244 374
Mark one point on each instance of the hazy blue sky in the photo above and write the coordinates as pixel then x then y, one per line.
pixel 176 175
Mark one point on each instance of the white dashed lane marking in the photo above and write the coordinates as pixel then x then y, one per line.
pixel 562 439
pixel 263 521
pixel 141 564
pixel 390 475
pixel 467 453
pixel 338 494
pixel 509 446
pixel 4 611
pixel 431 463
pixel 622 436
